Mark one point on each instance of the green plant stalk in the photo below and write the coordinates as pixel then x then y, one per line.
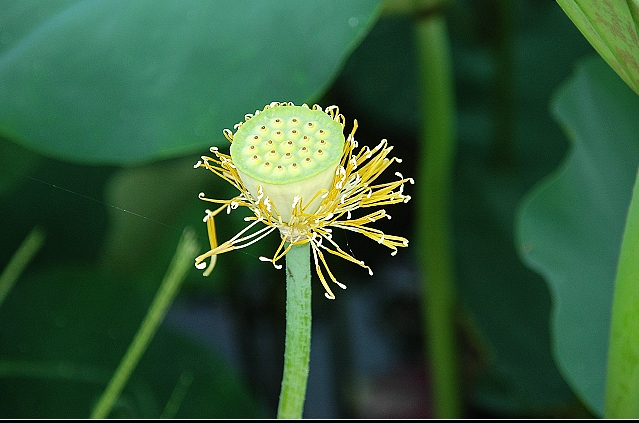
pixel 178 395
pixel 297 346
pixel 434 230
pixel 622 384
pixel 29 247
pixel 180 265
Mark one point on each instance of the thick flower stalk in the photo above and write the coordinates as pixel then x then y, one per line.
pixel 297 173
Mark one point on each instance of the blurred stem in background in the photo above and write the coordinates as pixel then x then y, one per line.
pixel 180 265
pixel 297 347
pixel 434 185
pixel 28 249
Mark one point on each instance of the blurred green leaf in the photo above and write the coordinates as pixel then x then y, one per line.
pixel 151 203
pixel 63 333
pixel 154 197
pixel 15 162
pixel 570 226
pixel 612 27
pixel 124 82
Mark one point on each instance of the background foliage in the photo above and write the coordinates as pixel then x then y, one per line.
pixel 104 111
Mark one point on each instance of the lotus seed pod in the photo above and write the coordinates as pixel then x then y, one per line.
pixel 291 151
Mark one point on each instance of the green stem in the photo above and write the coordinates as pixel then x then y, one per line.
pixel 622 385
pixel 180 265
pixel 434 229
pixel 297 347
pixel 29 247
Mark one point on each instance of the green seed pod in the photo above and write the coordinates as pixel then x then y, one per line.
pixel 290 151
